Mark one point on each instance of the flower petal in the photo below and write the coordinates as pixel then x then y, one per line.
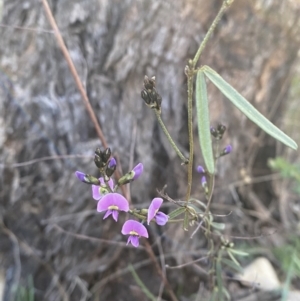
pixel 107 214
pixel 96 192
pixel 112 163
pixel 113 199
pixel 80 175
pixel 154 206
pixel 115 215
pixel 138 169
pixel 161 218
pixel 132 225
pixel 134 240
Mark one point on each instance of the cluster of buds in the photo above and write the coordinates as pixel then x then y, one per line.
pixel 106 165
pixel 111 202
pixel 218 134
pixel 150 95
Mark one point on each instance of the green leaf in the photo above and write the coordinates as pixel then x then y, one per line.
pixel 239 253
pixel 232 265
pixel 232 257
pixel 245 107
pixel 218 226
pixel 219 280
pixel 141 284
pixel 203 123
pixel 186 221
pixel 176 212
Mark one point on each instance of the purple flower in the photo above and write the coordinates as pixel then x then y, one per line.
pixel 137 170
pixel 100 191
pixel 160 217
pixel 135 230
pixel 113 203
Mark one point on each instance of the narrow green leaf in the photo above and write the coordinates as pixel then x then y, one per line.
pixel 232 257
pixel 176 212
pixel 203 123
pixel 239 253
pixel 141 284
pixel 186 221
pixel 219 279
pixel 232 265
pixel 218 226
pixel 245 107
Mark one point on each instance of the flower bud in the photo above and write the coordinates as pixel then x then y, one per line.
pixel 149 83
pixel 227 150
pixel 132 175
pixel 111 167
pixel 106 155
pixel 138 170
pixel 86 178
pixel 200 169
pixel 204 184
pixel 221 129
pixel 146 98
pixel 214 132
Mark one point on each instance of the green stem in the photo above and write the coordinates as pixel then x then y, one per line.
pixel 178 152
pixel 210 193
pixel 190 129
pixel 225 5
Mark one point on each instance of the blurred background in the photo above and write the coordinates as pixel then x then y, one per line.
pixel 53 243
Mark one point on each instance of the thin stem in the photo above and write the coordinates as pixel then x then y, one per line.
pixel 225 5
pixel 178 152
pixel 190 129
pixel 211 190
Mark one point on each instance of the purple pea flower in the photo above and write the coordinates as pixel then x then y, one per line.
pixel 160 217
pixel 100 191
pixel 112 203
pixel 135 230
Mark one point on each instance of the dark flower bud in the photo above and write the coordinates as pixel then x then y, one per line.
pixel 106 155
pixel 146 98
pixel 221 129
pixel 214 132
pixel 111 167
pixel 98 161
pixel 149 83
pixel 98 151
